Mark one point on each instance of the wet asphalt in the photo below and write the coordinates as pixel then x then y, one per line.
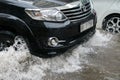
pixel 100 59
pixel 96 59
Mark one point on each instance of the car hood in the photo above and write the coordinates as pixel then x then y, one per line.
pixel 39 3
pixel 47 3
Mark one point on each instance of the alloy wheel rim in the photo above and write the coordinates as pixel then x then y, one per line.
pixel 113 25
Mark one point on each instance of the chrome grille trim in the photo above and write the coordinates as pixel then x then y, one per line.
pixel 71 10
pixel 79 16
pixel 76 13
pixel 83 17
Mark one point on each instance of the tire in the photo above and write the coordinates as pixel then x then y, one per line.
pixel 6 39
pixel 112 24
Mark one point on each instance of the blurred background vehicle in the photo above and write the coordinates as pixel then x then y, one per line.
pixel 108 12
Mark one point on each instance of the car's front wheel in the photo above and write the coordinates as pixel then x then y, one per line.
pixel 6 39
pixel 112 24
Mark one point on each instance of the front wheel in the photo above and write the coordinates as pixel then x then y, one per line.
pixel 6 39
pixel 112 24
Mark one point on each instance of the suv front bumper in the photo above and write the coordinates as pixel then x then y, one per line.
pixel 68 31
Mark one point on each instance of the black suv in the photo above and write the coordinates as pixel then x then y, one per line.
pixel 49 27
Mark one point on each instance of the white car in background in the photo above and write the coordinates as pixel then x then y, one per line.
pixel 108 12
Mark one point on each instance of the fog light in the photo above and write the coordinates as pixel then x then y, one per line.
pixel 53 42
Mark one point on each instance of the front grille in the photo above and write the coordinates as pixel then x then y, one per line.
pixel 77 13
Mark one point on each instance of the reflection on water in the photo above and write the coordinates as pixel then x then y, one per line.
pixel 97 59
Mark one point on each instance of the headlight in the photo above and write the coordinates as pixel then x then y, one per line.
pixel 46 14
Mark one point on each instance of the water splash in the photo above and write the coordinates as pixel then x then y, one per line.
pixel 21 65
pixel 100 39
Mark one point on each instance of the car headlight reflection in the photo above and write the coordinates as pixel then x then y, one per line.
pixel 46 14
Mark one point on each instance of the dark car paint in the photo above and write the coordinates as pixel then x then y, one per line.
pixel 36 3
pixel 49 3
pixel 19 25
pixel 16 3
pixel 38 32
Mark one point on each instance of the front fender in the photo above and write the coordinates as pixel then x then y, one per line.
pixel 11 22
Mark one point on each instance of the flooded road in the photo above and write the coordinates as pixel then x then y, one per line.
pixel 97 59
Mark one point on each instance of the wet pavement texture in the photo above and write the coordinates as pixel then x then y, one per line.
pixel 102 61
pixel 96 59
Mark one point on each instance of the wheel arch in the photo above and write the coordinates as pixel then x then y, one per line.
pixel 15 25
pixel 112 14
pixel 108 16
pixel 19 27
pixel 105 15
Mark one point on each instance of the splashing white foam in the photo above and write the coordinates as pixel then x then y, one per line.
pixel 100 39
pixel 21 65
pixel 15 65
pixel 70 61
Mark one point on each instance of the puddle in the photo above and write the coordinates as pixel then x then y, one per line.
pixel 21 65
